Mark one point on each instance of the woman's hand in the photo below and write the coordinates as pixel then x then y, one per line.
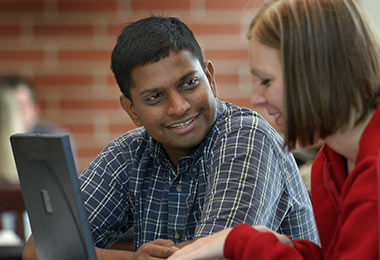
pixel 203 248
pixel 282 238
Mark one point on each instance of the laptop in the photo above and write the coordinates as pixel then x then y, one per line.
pixel 50 187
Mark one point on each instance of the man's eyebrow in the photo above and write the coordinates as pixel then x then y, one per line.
pixel 186 76
pixel 148 91
pixel 180 81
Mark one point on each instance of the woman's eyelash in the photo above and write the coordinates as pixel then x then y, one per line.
pixel 265 82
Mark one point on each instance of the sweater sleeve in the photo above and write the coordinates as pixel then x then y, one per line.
pixel 244 242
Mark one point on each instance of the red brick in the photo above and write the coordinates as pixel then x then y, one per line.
pixel 22 5
pixel 80 128
pixel 255 4
pixel 84 55
pixel 21 55
pixel 227 54
pixel 161 4
pixel 227 78
pixel 10 30
pixel 235 4
pixel 64 30
pixel 42 104
pixel 115 29
pixel 87 5
pixel 90 104
pixel 62 80
pixel 121 128
pixel 215 29
pixel 88 152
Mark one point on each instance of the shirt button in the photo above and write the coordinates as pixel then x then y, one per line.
pixel 177 236
pixel 194 169
pixel 179 188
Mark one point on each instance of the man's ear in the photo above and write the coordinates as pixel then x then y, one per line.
pixel 128 107
pixel 210 73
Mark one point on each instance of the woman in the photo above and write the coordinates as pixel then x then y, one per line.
pixel 316 69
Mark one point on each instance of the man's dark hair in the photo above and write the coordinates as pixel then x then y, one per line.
pixel 148 41
pixel 14 81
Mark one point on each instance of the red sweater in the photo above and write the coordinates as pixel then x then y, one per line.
pixel 345 210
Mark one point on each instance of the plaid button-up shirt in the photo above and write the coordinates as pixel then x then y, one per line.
pixel 239 173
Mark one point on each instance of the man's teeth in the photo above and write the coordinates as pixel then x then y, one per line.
pixel 182 125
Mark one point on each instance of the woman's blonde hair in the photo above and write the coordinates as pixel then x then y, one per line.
pixel 11 122
pixel 331 63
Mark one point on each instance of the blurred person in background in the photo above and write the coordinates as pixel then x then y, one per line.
pixel 11 122
pixel 25 97
pixel 20 113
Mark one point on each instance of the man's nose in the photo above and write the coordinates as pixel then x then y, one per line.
pixel 178 105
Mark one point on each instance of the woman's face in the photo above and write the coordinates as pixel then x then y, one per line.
pixel 268 80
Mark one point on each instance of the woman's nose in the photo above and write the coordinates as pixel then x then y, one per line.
pixel 257 98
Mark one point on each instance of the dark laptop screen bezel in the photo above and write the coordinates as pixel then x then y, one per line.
pixel 50 187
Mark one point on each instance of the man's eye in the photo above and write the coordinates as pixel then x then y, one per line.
pixel 191 83
pixel 154 98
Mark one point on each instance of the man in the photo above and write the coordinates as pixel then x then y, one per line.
pixel 195 165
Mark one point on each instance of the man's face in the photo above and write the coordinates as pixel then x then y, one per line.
pixel 29 110
pixel 174 99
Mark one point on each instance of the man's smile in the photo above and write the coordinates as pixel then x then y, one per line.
pixel 183 124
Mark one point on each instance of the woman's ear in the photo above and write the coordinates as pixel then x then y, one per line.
pixel 128 107
pixel 210 73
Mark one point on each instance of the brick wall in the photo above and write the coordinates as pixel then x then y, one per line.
pixel 65 47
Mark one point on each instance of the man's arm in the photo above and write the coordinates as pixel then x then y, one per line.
pixel 160 248
pixel 245 182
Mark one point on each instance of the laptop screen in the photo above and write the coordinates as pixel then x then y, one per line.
pixel 49 183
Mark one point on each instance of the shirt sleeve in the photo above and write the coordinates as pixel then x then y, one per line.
pixel 244 242
pixel 104 201
pixel 244 183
